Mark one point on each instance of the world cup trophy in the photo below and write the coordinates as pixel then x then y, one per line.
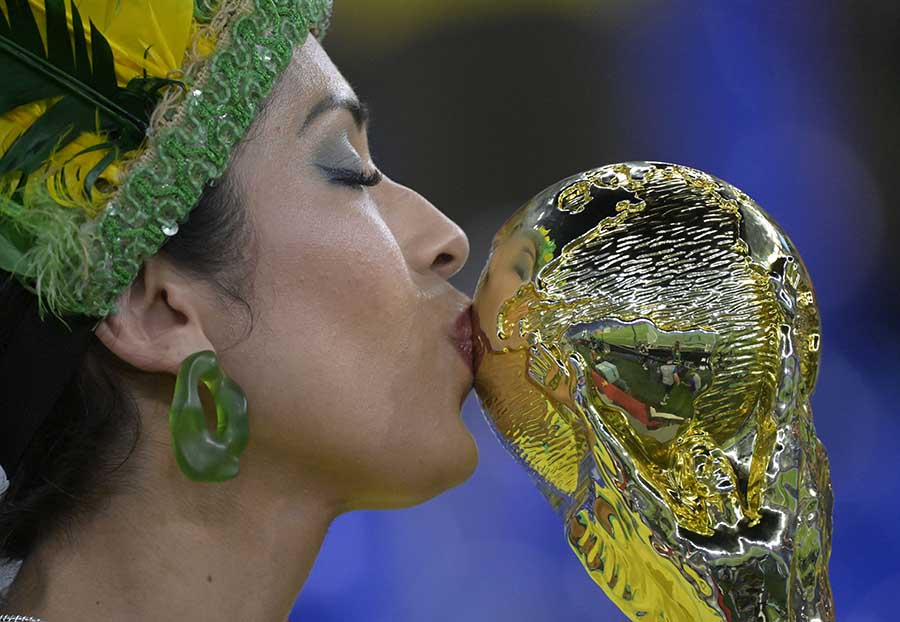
pixel 646 342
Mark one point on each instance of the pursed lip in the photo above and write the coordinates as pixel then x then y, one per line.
pixel 462 337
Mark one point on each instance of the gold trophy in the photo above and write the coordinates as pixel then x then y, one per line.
pixel 646 342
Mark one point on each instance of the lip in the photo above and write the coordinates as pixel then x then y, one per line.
pixel 462 338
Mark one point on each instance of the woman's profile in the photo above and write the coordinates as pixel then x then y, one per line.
pixel 245 242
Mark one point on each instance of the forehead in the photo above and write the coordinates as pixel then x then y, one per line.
pixel 310 76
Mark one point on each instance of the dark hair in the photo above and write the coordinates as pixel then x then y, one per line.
pixel 74 462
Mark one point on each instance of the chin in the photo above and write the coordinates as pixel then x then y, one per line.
pixel 464 463
pixel 453 464
pixel 433 471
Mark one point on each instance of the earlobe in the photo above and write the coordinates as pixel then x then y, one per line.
pixel 158 322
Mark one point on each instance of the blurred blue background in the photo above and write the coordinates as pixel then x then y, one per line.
pixel 479 105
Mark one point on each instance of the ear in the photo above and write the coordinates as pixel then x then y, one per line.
pixel 159 319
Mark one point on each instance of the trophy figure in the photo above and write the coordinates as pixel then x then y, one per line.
pixel 646 341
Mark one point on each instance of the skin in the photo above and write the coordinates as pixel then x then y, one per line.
pixel 354 385
pixel 511 264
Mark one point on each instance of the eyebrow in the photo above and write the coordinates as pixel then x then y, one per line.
pixel 358 109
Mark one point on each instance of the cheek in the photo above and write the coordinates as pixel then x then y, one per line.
pixel 355 283
pixel 339 309
pixel 338 263
pixel 346 368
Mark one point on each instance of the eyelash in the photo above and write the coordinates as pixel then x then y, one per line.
pixel 351 178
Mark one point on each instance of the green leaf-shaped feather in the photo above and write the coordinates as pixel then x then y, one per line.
pixel 90 99
pixel 10 256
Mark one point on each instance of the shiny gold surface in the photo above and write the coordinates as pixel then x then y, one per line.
pixel 647 339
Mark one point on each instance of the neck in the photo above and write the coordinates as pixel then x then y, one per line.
pixel 172 549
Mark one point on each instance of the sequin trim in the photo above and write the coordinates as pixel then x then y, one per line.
pixel 164 186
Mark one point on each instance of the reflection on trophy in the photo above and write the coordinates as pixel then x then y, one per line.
pixel 647 340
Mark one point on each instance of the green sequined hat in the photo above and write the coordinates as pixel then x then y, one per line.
pixel 113 118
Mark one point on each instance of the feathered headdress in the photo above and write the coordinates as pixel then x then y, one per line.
pixel 114 114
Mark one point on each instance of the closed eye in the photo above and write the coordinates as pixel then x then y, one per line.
pixel 351 177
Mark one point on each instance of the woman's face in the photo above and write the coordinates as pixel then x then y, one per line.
pixel 511 263
pixel 350 370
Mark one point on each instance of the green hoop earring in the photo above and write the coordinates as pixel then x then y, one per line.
pixel 202 456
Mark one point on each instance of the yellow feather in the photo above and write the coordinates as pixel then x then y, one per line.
pixel 19 119
pixel 164 30
pixel 63 173
pixel 133 26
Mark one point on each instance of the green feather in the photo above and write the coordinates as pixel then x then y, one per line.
pixel 98 168
pixel 59 48
pixel 82 66
pixel 52 248
pixel 90 101
pixel 13 244
pixel 11 257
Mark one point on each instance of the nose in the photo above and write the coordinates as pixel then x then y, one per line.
pixel 431 242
